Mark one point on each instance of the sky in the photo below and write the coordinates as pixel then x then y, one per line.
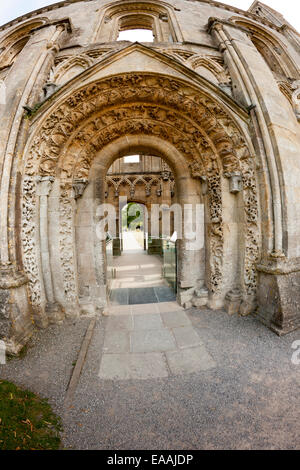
pixel 11 9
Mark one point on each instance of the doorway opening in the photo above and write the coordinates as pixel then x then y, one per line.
pixel 133 228
pixel 140 270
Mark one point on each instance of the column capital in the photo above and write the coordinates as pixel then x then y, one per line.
pixel 44 185
pixel 11 277
pixel 79 187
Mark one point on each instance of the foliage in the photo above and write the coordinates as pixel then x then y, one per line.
pixel 132 216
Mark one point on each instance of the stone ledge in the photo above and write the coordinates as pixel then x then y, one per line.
pixel 10 277
pixel 280 265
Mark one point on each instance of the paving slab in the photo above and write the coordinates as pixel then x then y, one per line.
pixel 141 309
pixel 175 319
pixel 169 307
pixel 165 294
pixel 119 297
pixel 119 310
pixel 148 321
pixel 119 322
pixel 116 341
pixel 152 341
pixel 142 296
pixel 189 361
pixel 133 366
pixel 186 337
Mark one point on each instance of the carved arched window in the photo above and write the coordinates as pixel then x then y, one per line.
pixel 158 17
pixel 136 22
pixel 14 42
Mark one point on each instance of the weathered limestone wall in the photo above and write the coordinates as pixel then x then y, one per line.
pixel 223 99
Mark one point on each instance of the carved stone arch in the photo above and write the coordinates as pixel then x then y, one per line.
pixel 271 48
pixel 287 90
pixel 156 107
pixel 180 54
pixel 70 68
pixel 209 124
pixel 212 65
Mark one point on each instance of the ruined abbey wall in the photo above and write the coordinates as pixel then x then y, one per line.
pixel 216 96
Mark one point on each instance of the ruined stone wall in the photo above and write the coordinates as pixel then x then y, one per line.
pixel 218 88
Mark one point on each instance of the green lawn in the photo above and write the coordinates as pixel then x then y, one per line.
pixel 26 421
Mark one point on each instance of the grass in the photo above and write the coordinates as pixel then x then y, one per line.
pixel 27 422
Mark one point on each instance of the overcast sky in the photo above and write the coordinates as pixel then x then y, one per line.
pixel 13 8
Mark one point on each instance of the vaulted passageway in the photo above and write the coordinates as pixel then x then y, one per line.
pixel 136 260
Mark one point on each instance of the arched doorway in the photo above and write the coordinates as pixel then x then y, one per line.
pixel 138 261
pixel 134 114
pixel 133 227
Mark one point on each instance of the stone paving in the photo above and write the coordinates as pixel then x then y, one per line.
pixel 151 341
pixel 159 377
pixel 136 268
pixel 250 400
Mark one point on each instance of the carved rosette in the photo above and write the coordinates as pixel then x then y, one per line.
pixel 67 242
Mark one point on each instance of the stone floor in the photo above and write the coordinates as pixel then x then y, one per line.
pixel 136 268
pixel 151 341
pixel 249 400
pixel 158 377
pixel 138 276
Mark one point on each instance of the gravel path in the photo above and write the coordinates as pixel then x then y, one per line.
pixel 250 400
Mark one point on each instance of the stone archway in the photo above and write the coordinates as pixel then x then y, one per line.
pixel 100 121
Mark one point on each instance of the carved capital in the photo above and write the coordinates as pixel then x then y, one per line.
pixel 165 175
pixel 79 187
pixel 44 185
pixel 204 185
pixel 11 277
pixel 214 24
pixel 235 182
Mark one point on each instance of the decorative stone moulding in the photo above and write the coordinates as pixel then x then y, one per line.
pixel 11 277
pixel 296 98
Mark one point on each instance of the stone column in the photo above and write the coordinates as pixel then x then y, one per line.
pixel 53 309
pixel 16 325
pixel 240 54
pixel 21 87
pixel 277 128
pixel 190 244
pixel 279 294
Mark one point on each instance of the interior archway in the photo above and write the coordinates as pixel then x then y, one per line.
pixel 138 261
